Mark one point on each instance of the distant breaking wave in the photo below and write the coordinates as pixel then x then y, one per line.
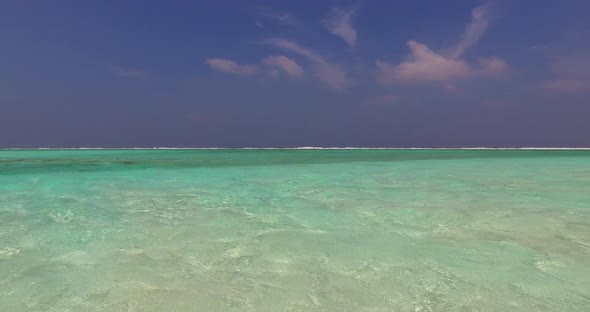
pixel 300 148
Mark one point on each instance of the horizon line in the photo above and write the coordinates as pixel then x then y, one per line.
pixel 296 148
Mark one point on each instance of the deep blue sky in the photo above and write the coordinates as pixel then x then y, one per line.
pixel 297 73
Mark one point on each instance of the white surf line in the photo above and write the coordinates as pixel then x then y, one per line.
pixel 304 148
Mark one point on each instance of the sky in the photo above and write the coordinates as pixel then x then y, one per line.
pixel 404 73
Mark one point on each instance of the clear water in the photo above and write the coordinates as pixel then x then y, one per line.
pixel 251 230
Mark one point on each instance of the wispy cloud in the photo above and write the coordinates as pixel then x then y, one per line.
pixel 492 66
pixel 339 23
pixel 280 17
pixel 565 85
pixel 292 46
pixel 426 66
pixel 287 65
pixel 332 74
pixel 480 21
pixel 270 65
pixel 569 64
pixel 230 66
pixel 329 73
pixel 128 72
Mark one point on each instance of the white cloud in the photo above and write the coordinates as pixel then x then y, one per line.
pixel 281 17
pixel 329 73
pixel 292 46
pixel 229 66
pixel 425 65
pixel 270 65
pixel 339 23
pixel 492 66
pixel 480 21
pixel 287 65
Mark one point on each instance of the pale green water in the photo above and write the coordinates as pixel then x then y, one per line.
pixel 235 230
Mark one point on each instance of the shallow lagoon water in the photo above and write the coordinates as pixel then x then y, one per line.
pixel 294 230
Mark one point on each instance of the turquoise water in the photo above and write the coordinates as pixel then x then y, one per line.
pixel 294 230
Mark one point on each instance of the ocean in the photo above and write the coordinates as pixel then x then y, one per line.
pixel 294 230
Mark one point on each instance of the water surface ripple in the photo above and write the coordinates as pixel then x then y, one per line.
pixel 294 230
